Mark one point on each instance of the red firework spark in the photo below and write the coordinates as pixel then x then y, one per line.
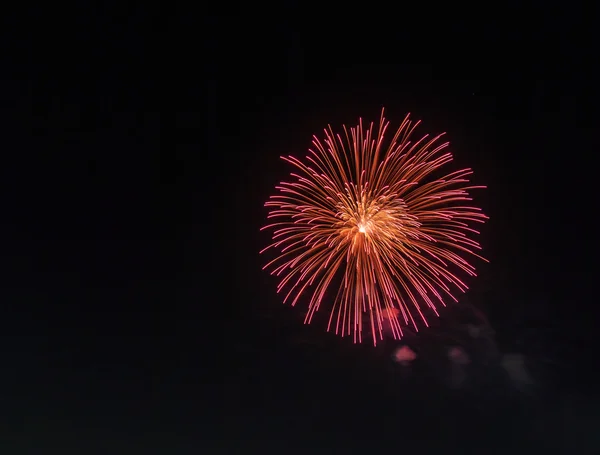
pixel 378 218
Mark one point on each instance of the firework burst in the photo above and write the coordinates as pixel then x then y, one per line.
pixel 375 223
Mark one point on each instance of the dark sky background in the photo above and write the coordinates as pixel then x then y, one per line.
pixel 139 145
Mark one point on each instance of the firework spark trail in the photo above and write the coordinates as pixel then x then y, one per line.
pixel 378 219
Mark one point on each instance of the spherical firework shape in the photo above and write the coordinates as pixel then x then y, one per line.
pixel 378 217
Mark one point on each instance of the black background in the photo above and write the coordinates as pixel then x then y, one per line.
pixel 139 144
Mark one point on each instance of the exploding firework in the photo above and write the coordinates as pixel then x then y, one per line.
pixel 377 225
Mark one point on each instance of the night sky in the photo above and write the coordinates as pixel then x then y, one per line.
pixel 139 146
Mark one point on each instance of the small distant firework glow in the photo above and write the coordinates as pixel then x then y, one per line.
pixel 377 220
pixel 404 355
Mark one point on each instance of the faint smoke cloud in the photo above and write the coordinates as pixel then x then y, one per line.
pixel 514 365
